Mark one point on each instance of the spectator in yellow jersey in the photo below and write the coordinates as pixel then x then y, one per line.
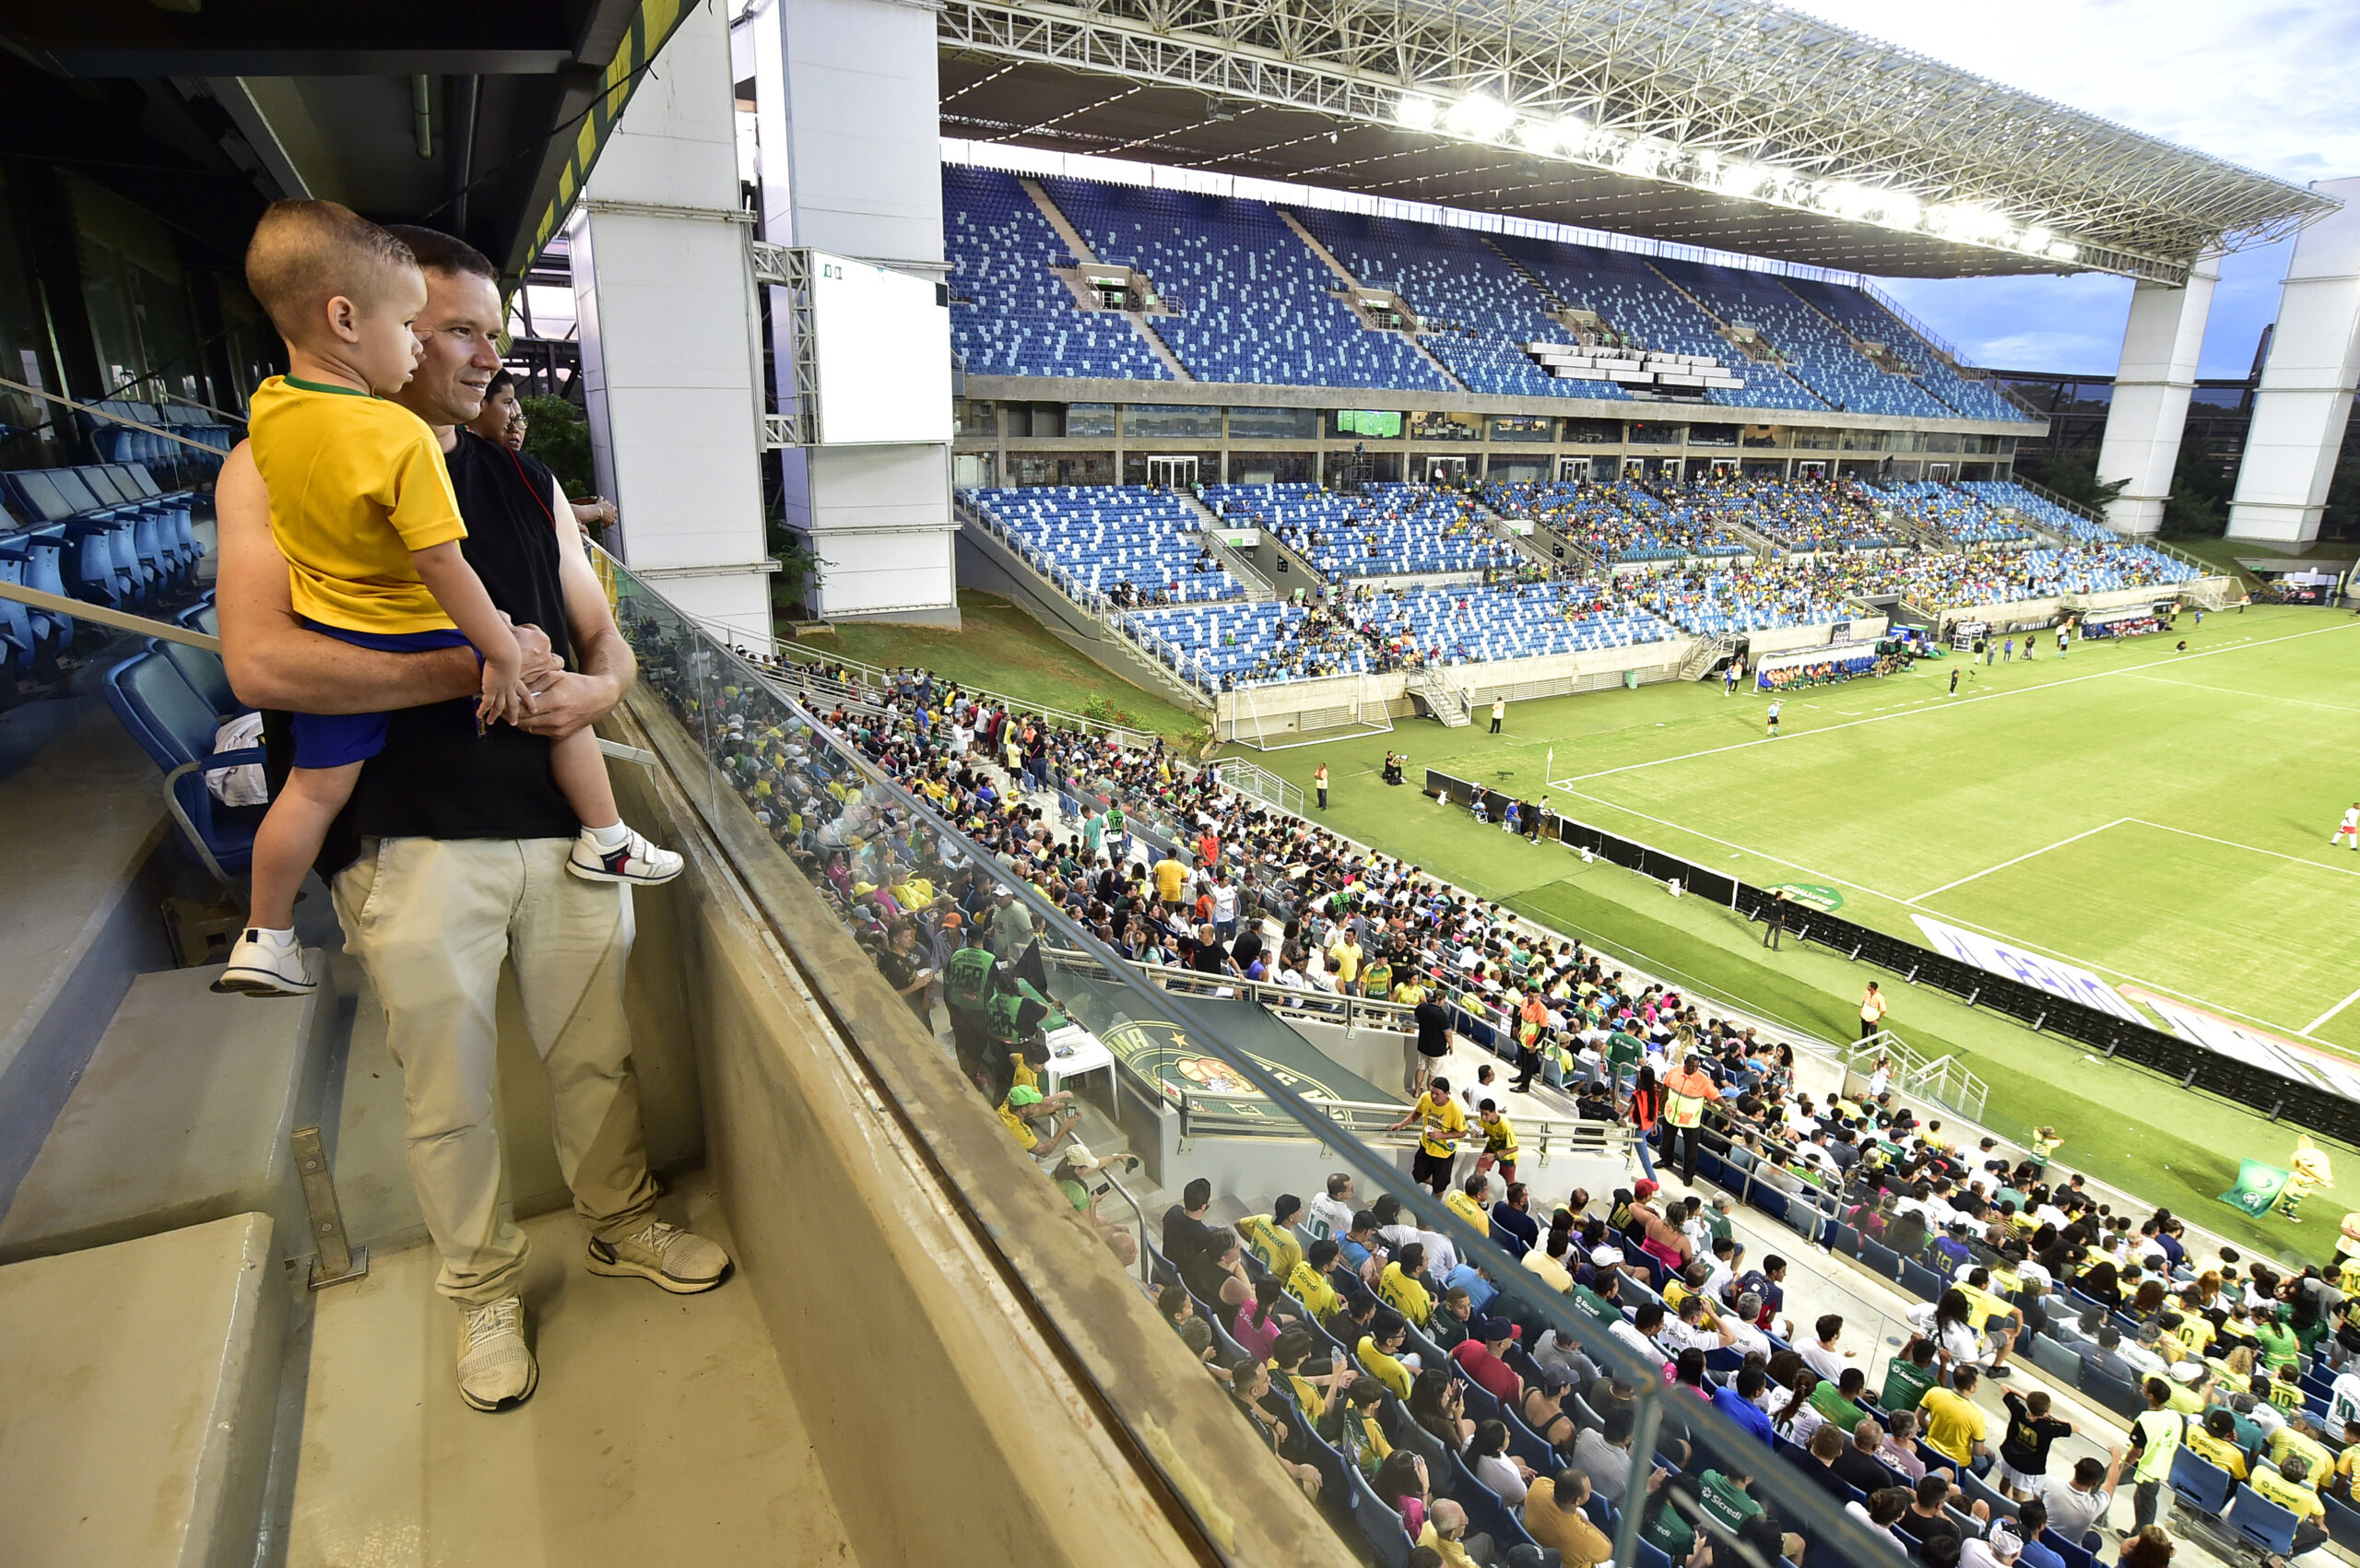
pixel 1310 1283
pixel 1441 1125
pixel 1401 1288
pixel 2217 1441
pixel 1272 1237
pixel 1379 1353
pixel 1470 1200
pixel 1499 1141
pixel 2291 1489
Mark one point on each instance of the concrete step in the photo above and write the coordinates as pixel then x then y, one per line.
pixel 138 1386
pixel 180 1117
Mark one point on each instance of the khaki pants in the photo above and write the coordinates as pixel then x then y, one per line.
pixel 431 920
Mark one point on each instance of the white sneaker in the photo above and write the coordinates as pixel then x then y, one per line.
pixel 264 969
pixel 633 860
pixel 496 1367
pixel 681 1261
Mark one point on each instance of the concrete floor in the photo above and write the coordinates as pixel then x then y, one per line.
pixel 662 1431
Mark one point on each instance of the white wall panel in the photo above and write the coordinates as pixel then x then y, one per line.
pixel 2305 400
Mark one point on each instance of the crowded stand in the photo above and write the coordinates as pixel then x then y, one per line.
pixel 2216 1389
pixel 1989 575
pixel 1120 544
pixel 1009 314
pixel 1387 530
pixel 1807 514
pixel 1622 519
pixel 1753 595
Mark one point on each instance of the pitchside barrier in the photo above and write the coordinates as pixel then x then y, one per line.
pixel 2117 1038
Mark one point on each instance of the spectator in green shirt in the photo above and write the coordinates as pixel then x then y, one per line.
pixel 1838 1401
pixel 1909 1376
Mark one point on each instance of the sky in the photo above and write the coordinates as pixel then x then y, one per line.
pixel 2265 85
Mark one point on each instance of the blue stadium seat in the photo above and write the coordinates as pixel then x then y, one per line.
pixel 2116 1394
pixel 1919 1280
pixel 2260 1521
pixel 176 726
pixel 1380 1524
pixel 2196 1481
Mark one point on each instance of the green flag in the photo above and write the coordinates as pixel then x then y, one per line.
pixel 2259 1186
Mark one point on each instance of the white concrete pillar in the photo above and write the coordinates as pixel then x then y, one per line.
pixel 664 293
pixel 2306 385
pixel 2160 344
pixel 847 107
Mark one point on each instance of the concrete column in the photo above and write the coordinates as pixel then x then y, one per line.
pixel 664 293
pixel 2160 344
pixel 2306 385
pixel 847 105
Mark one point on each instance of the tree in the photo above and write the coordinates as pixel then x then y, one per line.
pixel 2073 475
pixel 2197 507
pixel 556 432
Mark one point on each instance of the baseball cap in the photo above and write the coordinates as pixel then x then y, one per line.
pixel 1490 1329
pixel 1605 1255
pixel 1024 1094
pixel 1646 1188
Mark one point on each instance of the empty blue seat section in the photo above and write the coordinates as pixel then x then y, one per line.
pixel 2007 493
pixel 1806 340
pixel 1479 311
pixel 1223 645
pixel 1957 512
pixel 1870 322
pixel 1009 314
pixel 1389 530
pixel 1252 302
pixel 1635 300
pixel 1091 539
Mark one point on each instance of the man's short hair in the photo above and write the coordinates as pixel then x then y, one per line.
pixel 1338 1182
pixel 1933 1491
pixel 1826 1443
pixel 1197 1194
pixel 1573 1486
pixel 1322 1252
pixel 2088 1472
pixel 1828 1327
pixel 438 251
pixel 304 253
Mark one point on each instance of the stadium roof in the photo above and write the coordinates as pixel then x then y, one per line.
pixel 1723 122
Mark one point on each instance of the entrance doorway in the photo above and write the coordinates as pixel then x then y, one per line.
pixel 1939 472
pixel 1443 470
pixel 1813 468
pixel 1572 471
pixel 1171 473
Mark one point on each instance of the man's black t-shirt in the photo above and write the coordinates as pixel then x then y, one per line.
pixel 436 777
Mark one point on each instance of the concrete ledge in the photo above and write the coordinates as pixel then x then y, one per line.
pixel 959 1318
pixel 181 1116
pixel 136 1388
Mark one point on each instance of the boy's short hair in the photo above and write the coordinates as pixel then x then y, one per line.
pixel 304 253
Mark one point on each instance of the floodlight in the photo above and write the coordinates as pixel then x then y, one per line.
pixel 1480 115
pixel 1416 111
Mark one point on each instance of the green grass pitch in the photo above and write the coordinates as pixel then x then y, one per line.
pixel 2159 817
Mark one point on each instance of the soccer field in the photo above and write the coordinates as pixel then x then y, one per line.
pixel 2160 818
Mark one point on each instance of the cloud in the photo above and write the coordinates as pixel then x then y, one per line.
pixel 2241 82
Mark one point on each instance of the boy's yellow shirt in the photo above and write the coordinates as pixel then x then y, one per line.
pixel 356 484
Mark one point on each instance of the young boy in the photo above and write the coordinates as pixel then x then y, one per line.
pixel 362 507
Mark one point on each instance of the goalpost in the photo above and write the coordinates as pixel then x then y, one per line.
pixel 1279 715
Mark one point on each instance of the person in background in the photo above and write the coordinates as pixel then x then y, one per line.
pixel 504 423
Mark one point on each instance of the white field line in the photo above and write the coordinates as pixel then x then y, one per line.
pixel 1998 935
pixel 1952 704
pixel 2330 1013
pixel 2019 860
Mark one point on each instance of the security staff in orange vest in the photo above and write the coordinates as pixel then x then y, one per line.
pixel 1685 1089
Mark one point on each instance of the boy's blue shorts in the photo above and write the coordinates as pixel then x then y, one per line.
pixel 332 740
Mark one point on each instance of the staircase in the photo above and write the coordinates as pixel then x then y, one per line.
pixel 1443 700
pixel 1258 588
pixel 1715 317
pixel 1530 544
pixel 1344 275
pixel 1706 654
pixel 1087 256
pixel 1556 301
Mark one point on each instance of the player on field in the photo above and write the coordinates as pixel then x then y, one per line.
pixel 2350 830
pixel 1773 718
